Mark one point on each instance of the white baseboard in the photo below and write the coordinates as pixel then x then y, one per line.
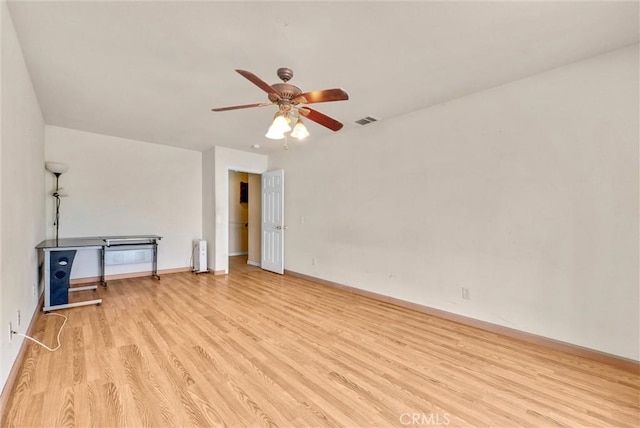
pixel 592 354
pixel 238 253
pixel 252 263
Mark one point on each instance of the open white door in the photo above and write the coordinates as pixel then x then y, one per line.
pixel 273 221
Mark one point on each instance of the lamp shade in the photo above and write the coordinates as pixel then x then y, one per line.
pixel 280 124
pixel 299 131
pixel 56 167
pixel 274 134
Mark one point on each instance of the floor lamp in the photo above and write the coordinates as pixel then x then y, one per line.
pixel 57 169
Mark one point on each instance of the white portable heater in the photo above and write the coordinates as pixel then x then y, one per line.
pixel 200 256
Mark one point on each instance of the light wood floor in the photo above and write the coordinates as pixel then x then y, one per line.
pixel 258 349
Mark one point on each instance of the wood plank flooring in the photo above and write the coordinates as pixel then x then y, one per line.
pixel 258 349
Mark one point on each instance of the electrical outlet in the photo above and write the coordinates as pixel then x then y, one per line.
pixel 18 317
pixel 10 332
pixel 34 289
pixel 313 261
pixel 466 293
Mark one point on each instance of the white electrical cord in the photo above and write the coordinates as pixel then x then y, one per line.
pixel 42 344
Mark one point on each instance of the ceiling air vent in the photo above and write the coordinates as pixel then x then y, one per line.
pixel 366 120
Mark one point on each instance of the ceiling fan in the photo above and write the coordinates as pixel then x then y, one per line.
pixel 291 102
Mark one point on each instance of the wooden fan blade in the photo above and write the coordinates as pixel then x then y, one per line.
pixel 327 95
pixel 260 83
pixel 242 106
pixel 321 118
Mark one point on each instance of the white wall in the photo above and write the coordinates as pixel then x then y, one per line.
pixel 21 189
pixel 216 164
pixel 4 365
pixel 527 194
pixel 118 186
pixel 209 204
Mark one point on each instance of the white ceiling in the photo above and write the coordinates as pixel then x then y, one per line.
pixel 152 71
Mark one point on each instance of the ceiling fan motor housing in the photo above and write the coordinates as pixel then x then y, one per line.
pixel 287 92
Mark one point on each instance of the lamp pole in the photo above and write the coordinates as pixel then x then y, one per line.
pixel 57 169
pixel 57 196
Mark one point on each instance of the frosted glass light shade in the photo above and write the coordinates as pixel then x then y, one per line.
pixel 299 131
pixel 280 124
pixel 56 167
pixel 274 134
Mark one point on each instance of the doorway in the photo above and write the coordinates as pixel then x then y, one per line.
pixel 245 220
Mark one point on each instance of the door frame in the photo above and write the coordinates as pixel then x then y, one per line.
pixel 225 219
pixel 216 163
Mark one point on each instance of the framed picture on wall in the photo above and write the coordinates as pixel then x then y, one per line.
pixel 244 192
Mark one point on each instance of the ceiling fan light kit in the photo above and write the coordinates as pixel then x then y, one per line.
pixel 290 99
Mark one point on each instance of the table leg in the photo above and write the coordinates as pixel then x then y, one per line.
pixel 155 261
pixel 102 278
